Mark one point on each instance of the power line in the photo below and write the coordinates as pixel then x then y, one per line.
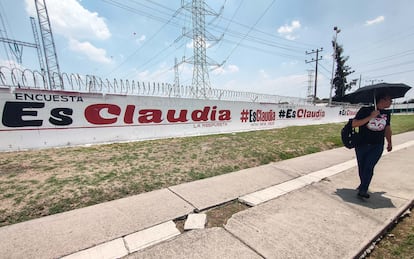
pixel 388 58
pixel 250 29
pixel 232 18
pixel 154 14
pixel 238 35
pixel 391 74
pixel 222 29
pixel 393 37
pixel 174 15
pixel 288 44
pixel 389 66
pixel 173 20
pixel 324 68
pixel 267 51
pixel 3 32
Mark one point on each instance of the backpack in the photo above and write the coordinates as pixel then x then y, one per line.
pixel 349 135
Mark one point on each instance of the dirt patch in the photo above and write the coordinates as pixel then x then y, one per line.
pixel 179 223
pixel 216 216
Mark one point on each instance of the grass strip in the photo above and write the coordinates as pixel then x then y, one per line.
pixel 38 183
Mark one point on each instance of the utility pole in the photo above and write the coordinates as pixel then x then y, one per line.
pixel 316 68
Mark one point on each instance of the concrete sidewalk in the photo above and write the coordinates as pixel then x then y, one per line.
pixel 303 207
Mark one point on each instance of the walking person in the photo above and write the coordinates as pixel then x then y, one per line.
pixel 374 125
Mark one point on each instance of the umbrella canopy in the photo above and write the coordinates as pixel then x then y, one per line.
pixel 367 94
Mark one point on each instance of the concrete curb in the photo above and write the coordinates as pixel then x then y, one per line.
pixel 256 198
pixel 165 231
pixel 129 244
pixel 362 252
pixel 112 249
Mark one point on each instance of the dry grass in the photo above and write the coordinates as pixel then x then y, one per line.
pixel 44 182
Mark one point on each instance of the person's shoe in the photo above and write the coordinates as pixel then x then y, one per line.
pixel 363 195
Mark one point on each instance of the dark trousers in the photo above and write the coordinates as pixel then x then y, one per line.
pixel 367 157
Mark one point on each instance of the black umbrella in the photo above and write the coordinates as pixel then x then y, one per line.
pixel 368 93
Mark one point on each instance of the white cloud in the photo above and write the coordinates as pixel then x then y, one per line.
pixel 288 30
pixel 75 23
pixel 223 70
pixel 377 20
pixel 162 74
pixel 233 68
pixel 72 20
pixel 290 85
pixel 87 49
pixel 144 75
pixel 290 64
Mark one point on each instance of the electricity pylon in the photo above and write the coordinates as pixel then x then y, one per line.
pixel 200 36
pixel 49 48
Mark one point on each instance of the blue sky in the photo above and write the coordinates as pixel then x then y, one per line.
pixel 263 47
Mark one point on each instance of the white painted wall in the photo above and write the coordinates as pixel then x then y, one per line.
pixel 34 119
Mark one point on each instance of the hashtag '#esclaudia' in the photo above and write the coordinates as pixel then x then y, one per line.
pixel 244 115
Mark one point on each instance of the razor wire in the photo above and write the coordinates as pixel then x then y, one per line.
pixel 33 79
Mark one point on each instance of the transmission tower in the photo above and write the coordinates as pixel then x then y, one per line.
pixel 200 36
pixel 37 42
pixel 49 48
pixel 310 84
pixel 16 47
pixel 176 74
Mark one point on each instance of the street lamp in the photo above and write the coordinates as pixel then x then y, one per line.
pixel 337 30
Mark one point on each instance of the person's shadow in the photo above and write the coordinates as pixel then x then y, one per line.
pixel 376 201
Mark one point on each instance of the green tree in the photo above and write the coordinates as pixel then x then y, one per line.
pixel 341 85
